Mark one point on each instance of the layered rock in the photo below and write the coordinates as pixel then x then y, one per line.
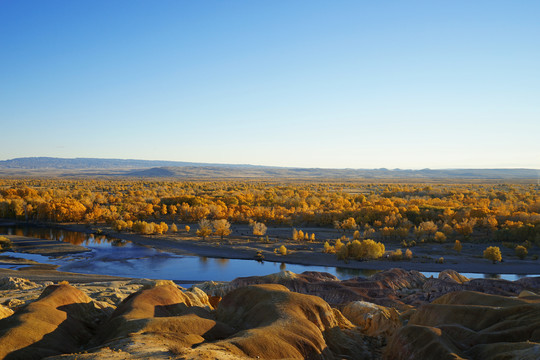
pixel 162 309
pixel 13 283
pixel 435 288
pixel 372 319
pixel 383 288
pixel 453 276
pixel 5 312
pixel 60 321
pixel 470 325
pixel 279 317
pixel 272 322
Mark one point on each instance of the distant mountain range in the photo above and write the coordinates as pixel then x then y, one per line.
pixel 92 163
pixel 91 167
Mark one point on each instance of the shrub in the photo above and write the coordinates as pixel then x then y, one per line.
pixel 527 244
pixel 119 225
pixel 161 228
pixel 342 253
pixel 458 246
pixel 447 229
pixel 354 249
pixel 493 253
pixel 205 228
pixel 440 260
pixel 339 244
pixel 187 228
pixel 259 229
pixel 174 228
pixel 408 254
pixel 282 250
pixel 142 227
pixel 329 249
pixel 5 243
pixel 396 255
pixel 440 237
pixel 374 250
pixel 221 227
pixel 521 251
pixel 361 250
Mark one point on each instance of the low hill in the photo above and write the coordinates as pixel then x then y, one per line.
pixel 90 167
pixel 87 163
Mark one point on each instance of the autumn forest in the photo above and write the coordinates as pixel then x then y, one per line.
pixel 400 212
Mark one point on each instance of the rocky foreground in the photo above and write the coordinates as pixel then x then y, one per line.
pixel 394 314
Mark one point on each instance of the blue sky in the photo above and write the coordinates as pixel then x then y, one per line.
pixel 357 84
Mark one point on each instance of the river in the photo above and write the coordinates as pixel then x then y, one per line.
pixel 109 256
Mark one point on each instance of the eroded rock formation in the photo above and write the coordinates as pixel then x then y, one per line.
pixel 383 288
pixel 60 321
pixel 470 325
pixel 278 316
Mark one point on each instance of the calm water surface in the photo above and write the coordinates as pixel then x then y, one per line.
pixel 109 256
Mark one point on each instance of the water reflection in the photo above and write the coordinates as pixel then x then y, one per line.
pixel 118 242
pixel 72 237
pixel 123 258
pixel 223 263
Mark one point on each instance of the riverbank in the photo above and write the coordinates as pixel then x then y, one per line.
pixel 425 256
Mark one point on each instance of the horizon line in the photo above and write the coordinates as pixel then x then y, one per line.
pixel 274 166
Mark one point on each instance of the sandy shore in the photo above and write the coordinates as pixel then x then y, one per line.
pixel 39 274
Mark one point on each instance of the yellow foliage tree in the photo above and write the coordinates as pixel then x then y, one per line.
pixel 396 255
pixel 364 250
pixel 348 224
pixel 205 229
pixel 521 251
pixel 493 253
pixel 329 249
pixel 221 227
pixel 458 246
pixel 338 245
pixel 440 237
pixel 408 254
pixel 259 229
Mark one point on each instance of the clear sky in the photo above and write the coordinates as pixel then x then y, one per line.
pixel 357 84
